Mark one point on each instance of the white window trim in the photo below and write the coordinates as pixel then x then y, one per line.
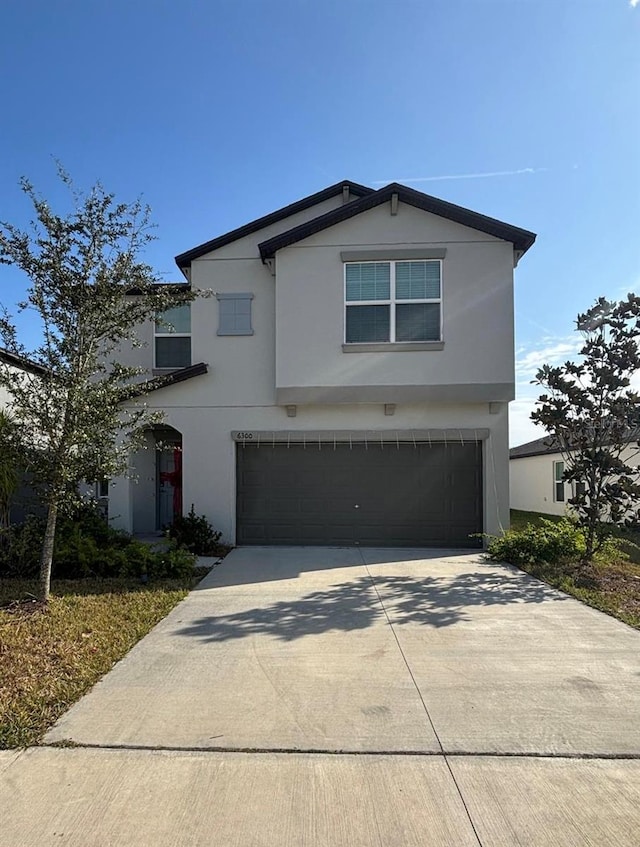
pixel 99 495
pixel 557 482
pixel 169 334
pixel 392 302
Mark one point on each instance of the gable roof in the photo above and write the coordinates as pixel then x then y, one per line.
pixel 183 260
pixel 539 447
pixel 21 362
pixel 521 239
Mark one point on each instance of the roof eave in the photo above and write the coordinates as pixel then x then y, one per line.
pixel 183 260
pixel 521 239
pixel 166 380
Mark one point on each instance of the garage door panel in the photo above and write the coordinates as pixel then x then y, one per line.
pixel 406 494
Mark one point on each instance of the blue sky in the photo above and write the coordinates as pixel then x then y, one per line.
pixel 218 112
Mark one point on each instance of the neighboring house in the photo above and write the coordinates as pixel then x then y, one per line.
pixel 535 473
pixel 535 478
pixel 23 502
pixel 348 383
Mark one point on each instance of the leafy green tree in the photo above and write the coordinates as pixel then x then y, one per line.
pixel 592 414
pixel 82 269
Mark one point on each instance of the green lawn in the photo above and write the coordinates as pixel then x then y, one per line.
pixel 611 585
pixel 50 657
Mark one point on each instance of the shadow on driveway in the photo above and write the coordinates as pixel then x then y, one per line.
pixel 355 605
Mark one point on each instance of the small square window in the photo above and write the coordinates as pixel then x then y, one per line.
pixel 234 312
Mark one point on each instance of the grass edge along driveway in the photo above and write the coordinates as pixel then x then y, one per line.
pixel 49 658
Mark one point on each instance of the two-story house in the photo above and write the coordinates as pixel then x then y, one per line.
pixel 348 383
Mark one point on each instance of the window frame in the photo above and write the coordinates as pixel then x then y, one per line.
pixel 99 489
pixel 557 482
pixel 392 302
pixel 171 334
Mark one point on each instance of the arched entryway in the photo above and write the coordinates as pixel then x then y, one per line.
pixel 157 480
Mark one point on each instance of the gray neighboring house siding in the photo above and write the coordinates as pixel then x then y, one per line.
pixel 24 502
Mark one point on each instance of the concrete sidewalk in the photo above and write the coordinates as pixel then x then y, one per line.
pixel 349 697
pixel 117 798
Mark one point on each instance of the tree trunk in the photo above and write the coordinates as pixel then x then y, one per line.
pixel 46 557
pixel 590 543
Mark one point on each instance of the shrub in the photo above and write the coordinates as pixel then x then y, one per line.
pixel 551 542
pixel 175 563
pixel 20 550
pixel 195 533
pixel 86 546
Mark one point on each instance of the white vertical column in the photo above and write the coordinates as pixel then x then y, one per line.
pixel 121 504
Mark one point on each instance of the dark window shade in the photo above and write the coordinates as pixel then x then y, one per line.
pixel 173 352
pixel 418 322
pixel 367 324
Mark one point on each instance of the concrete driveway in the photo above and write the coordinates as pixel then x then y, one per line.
pixel 344 696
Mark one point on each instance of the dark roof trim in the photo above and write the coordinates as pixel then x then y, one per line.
pixel 22 363
pixel 540 447
pixel 171 286
pixel 183 260
pixel 167 379
pixel 521 239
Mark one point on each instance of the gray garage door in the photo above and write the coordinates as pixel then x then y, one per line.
pixel 373 495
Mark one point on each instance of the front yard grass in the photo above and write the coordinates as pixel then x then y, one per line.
pixel 612 583
pixel 50 657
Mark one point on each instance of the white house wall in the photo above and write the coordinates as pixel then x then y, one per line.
pixel 531 485
pixel 209 453
pixel 477 285
pixel 532 482
pixel 303 346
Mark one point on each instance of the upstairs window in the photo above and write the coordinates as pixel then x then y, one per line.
pixel 558 482
pixel 172 338
pixel 393 301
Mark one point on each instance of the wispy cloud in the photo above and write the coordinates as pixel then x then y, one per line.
pixel 633 3
pixel 483 175
pixel 548 351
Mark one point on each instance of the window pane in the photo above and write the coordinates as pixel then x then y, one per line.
pixel 367 323
pixel 559 492
pixel 173 352
pixel 418 322
pixel 559 469
pixel 368 281
pixel 417 280
pixel 179 318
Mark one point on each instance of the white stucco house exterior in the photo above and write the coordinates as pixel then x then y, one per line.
pixel 348 382
pixel 535 476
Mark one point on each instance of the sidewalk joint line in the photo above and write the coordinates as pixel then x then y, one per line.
pixel 424 705
pixel 461 754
